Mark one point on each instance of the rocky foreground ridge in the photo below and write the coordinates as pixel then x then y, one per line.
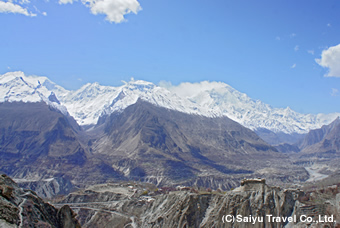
pixel 143 205
pixel 132 204
pixel 23 208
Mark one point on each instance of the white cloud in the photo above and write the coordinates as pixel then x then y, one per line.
pixel 293 66
pixel 65 1
pixel 115 10
pixel 310 52
pixel 25 1
pixel 329 25
pixel 292 35
pixel 277 38
pixel 296 48
pixel 165 84
pixel 9 7
pixel 334 92
pixel 38 11
pixel 330 58
pixel 187 89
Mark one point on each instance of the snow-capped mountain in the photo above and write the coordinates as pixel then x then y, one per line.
pixel 15 86
pixel 210 99
pixel 251 113
pixel 91 101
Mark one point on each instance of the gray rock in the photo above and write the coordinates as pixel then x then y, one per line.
pixel 23 208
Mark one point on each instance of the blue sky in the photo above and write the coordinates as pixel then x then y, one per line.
pixel 282 52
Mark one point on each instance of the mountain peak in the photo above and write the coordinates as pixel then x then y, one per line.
pixel 205 98
pixel 13 74
pixel 9 76
pixel 16 86
pixel 139 85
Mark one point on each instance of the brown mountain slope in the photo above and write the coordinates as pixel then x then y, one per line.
pixel 38 142
pixel 318 135
pixel 165 147
pixel 323 142
pixel 143 142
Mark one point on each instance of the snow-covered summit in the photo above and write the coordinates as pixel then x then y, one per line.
pixel 251 113
pixel 91 101
pixel 205 98
pixel 15 86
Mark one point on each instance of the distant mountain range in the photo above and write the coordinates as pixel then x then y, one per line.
pixel 142 142
pixel 211 99
pixel 323 142
pixel 205 135
pixel 141 131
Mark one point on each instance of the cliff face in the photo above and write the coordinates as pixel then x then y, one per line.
pixel 250 200
pixel 23 208
pixel 47 188
pixel 137 205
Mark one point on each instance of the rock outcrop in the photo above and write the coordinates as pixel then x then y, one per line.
pixel 136 205
pixel 47 188
pixel 23 208
pixel 254 199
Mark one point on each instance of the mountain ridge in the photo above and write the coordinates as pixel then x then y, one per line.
pixel 162 146
pixel 212 99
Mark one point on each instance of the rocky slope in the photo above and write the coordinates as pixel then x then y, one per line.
pixel 47 188
pixel 324 154
pixel 142 142
pixel 322 139
pixel 277 138
pixel 36 139
pixel 318 152
pixel 39 143
pixel 319 145
pixel 252 199
pixel 137 205
pixel 23 208
pixel 167 147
